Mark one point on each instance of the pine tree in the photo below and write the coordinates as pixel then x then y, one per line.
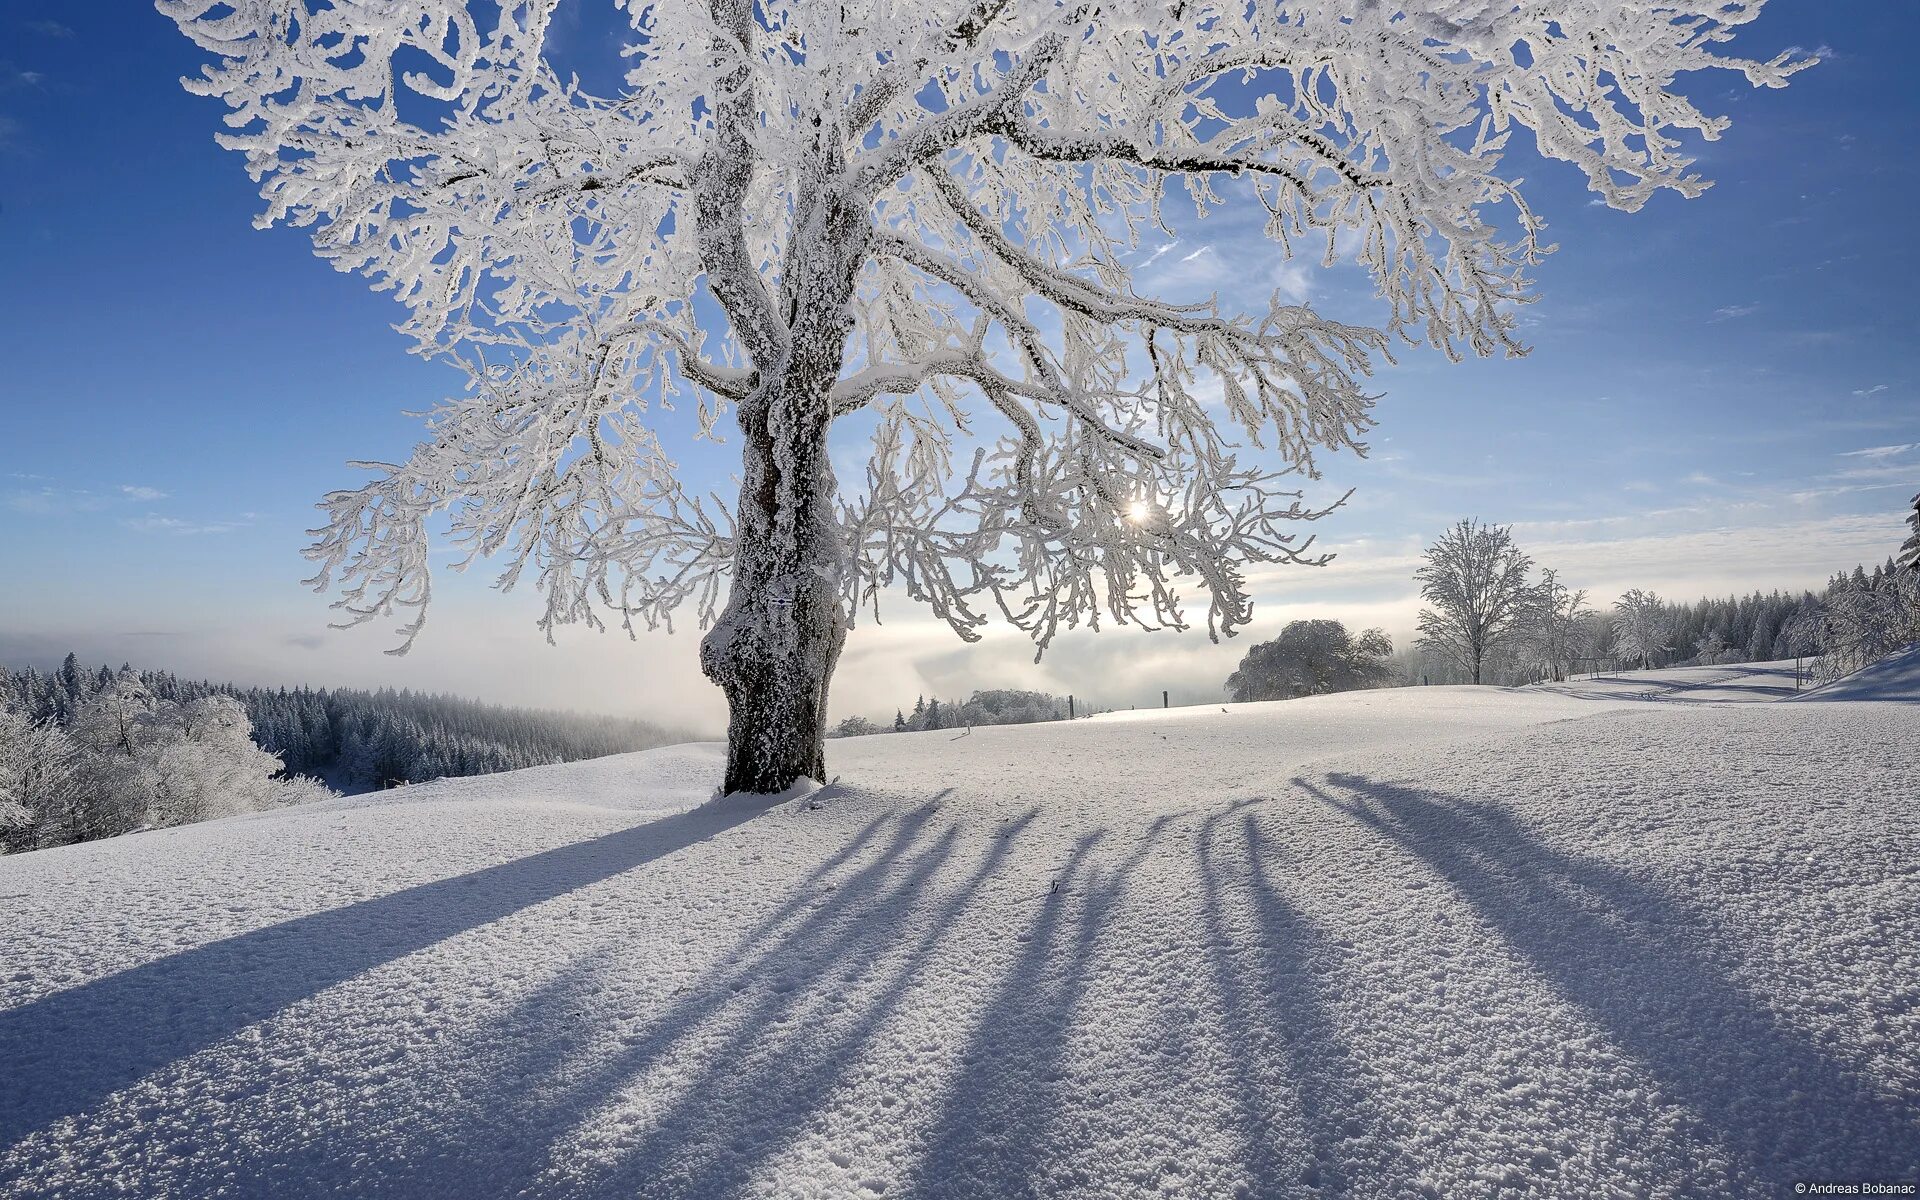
pixel 1910 549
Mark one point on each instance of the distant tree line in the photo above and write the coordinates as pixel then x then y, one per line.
pixel 114 757
pixel 1487 618
pixel 1487 621
pixel 994 706
pixel 91 749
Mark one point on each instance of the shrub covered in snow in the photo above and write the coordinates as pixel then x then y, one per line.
pixel 128 761
pixel 1312 658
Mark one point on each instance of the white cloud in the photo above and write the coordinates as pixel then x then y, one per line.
pixel 1822 52
pixel 143 494
pixel 50 500
pixel 1732 311
pixel 1294 280
pixel 1880 451
pixel 1875 390
pixel 1155 256
pixel 154 523
pixel 1726 560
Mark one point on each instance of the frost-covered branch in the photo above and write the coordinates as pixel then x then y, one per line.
pixel 924 216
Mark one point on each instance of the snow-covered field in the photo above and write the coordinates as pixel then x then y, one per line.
pixel 1557 941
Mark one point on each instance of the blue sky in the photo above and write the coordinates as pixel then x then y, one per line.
pixel 1721 394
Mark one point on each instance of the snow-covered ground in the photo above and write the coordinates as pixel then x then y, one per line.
pixel 1554 941
pixel 1738 683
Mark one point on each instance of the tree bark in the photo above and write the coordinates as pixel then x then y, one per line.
pixel 774 647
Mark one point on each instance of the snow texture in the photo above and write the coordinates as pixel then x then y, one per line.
pixel 1896 677
pixel 1427 941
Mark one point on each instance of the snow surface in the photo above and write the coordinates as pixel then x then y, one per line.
pixel 1738 683
pixel 1896 677
pixel 1433 941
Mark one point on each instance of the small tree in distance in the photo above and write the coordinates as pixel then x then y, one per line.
pixel 1475 580
pixel 38 780
pixel 1642 627
pixel 924 217
pixel 1711 648
pixel 1312 658
pixel 1558 627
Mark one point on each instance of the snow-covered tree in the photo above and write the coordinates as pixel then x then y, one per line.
pixel 922 217
pixel 1475 580
pixel 1312 658
pixel 114 719
pixel 38 778
pixel 1642 627
pixel 1864 618
pixel 1711 648
pixel 1910 549
pixel 1010 706
pixel 1800 633
pixel 1557 627
pixel 205 765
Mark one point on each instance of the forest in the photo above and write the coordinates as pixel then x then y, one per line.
pixel 1489 622
pixel 1488 619
pixel 990 706
pixel 93 752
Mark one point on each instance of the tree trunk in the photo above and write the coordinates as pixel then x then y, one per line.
pixel 775 645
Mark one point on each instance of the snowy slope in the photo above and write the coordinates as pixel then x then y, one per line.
pixel 1437 941
pixel 1896 677
pixel 1737 683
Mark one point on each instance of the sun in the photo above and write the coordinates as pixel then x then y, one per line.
pixel 1140 511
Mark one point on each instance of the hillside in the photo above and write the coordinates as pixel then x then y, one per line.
pixel 355 740
pixel 1436 941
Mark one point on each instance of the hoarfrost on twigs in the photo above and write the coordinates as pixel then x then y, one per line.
pixel 923 213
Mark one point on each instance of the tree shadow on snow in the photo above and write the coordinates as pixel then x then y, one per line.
pixel 823 993
pixel 1307 1113
pixel 991 1136
pixel 1774 682
pixel 493 1127
pixel 1625 953
pixel 68 1051
pixel 776 1036
pixel 759 1043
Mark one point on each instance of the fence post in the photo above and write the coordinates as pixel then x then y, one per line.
pixel 1069 706
pixel 1163 700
